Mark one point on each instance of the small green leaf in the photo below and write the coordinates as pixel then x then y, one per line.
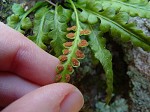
pixel 18 9
pixel 26 23
pixel 97 6
pixel 92 19
pixel 122 18
pixel 104 27
pixel 39 13
pixel 94 5
pixel 82 2
pixel 83 16
pixel 86 17
pixel 19 20
pixel 109 12
pixel 139 8
pixel 13 20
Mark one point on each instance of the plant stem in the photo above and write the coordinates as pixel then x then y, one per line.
pixel 76 14
pixel 51 3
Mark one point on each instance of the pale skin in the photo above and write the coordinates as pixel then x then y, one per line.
pixel 27 75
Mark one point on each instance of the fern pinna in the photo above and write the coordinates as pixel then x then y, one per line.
pixel 71 54
pixel 72 51
pixel 95 18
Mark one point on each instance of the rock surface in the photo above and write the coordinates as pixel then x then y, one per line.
pixel 139 71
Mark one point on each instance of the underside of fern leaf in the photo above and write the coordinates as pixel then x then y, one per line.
pixel 58 20
pixel 72 52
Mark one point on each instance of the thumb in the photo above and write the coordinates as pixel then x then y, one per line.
pixel 58 97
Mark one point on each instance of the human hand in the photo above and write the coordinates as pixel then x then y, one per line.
pixel 25 69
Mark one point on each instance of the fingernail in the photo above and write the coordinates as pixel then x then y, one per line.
pixel 73 102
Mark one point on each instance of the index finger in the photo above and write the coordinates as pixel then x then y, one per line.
pixel 22 57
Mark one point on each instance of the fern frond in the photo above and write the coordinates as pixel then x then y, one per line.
pixel 118 26
pixel 115 22
pixel 72 52
pixel 58 25
pixel 19 20
pixel 97 43
pixel 139 8
pixel 39 32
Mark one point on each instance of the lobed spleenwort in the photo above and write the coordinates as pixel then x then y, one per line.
pixel 19 20
pixel 72 52
pixel 101 16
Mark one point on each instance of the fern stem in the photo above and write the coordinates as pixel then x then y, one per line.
pixel 76 14
pixel 51 3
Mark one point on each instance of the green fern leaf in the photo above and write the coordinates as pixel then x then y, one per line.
pixel 71 53
pixel 19 20
pixel 116 23
pixel 94 5
pixel 97 43
pixel 40 33
pixel 118 26
pixel 86 16
pixel 58 25
pixel 139 8
pixel 18 9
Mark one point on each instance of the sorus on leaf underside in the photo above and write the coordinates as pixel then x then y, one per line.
pixel 71 53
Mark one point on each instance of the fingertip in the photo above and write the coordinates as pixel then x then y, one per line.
pixel 58 97
pixel 73 102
